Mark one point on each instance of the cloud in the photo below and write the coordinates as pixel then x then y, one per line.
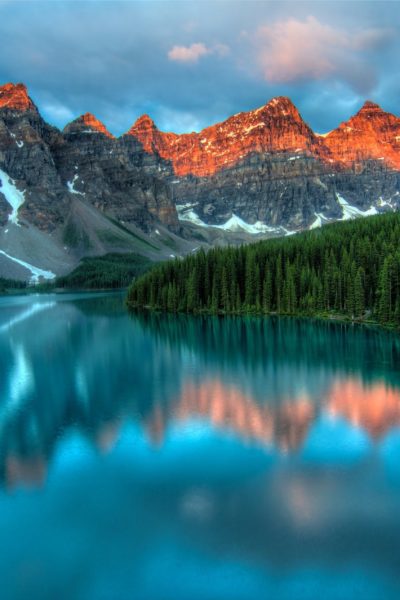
pixel 293 51
pixel 188 54
pixel 373 39
pixel 192 53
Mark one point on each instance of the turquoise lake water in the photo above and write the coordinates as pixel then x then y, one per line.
pixel 154 457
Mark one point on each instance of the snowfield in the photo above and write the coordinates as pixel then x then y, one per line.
pixel 71 184
pixel 348 212
pixel 36 272
pixel 351 212
pixel 234 224
pixel 14 197
pixel 319 220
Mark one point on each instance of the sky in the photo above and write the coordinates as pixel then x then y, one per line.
pixel 191 64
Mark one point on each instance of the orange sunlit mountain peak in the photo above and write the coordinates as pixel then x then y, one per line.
pixel 15 97
pixel 87 123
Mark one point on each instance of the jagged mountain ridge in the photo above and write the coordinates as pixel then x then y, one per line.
pixel 83 191
pixel 274 128
pixel 268 170
pixel 64 195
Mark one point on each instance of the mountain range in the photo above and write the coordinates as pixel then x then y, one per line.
pixel 263 173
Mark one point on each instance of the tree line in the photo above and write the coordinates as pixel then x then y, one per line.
pixel 11 284
pixel 350 268
pixel 110 271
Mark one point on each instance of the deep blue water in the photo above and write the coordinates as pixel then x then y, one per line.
pixel 159 457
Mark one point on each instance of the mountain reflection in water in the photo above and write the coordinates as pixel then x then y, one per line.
pixel 85 365
pixel 163 457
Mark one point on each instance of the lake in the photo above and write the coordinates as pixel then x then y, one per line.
pixel 158 457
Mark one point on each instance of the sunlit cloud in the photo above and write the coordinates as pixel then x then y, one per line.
pixel 293 51
pixel 188 54
pixel 192 53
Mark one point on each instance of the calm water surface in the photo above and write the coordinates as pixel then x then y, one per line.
pixel 173 458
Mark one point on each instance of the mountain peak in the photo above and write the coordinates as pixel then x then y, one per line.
pixel 142 124
pixel 284 101
pixel 15 97
pixel 282 105
pixel 371 134
pixel 370 106
pixel 145 119
pixel 89 120
pixel 272 128
pixel 87 123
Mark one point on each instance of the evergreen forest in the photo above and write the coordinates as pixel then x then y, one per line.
pixel 349 269
pixel 110 271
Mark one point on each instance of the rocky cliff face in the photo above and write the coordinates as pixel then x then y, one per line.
pixel 67 194
pixel 25 156
pixel 84 159
pixel 264 172
pixel 94 165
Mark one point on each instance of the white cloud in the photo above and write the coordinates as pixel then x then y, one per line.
pixel 192 53
pixel 188 54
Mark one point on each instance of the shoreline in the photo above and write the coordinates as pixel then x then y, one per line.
pixel 334 318
pixel 58 291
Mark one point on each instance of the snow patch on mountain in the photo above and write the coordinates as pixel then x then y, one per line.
pixel 382 203
pixel 233 224
pixel 255 126
pixel 71 184
pixel 352 212
pixel 35 271
pixel 320 219
pixel 186 213
pixel 12 194
pixel 288 232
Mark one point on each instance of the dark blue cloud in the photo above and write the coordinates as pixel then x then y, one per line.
pixel 190 64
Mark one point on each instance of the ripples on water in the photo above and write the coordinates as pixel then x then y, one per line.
pixel 154 456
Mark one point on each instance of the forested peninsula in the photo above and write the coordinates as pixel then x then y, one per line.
pixel 349 269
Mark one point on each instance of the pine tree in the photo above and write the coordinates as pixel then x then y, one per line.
pixel 359 304
pixel 267 291
pixel 385 291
